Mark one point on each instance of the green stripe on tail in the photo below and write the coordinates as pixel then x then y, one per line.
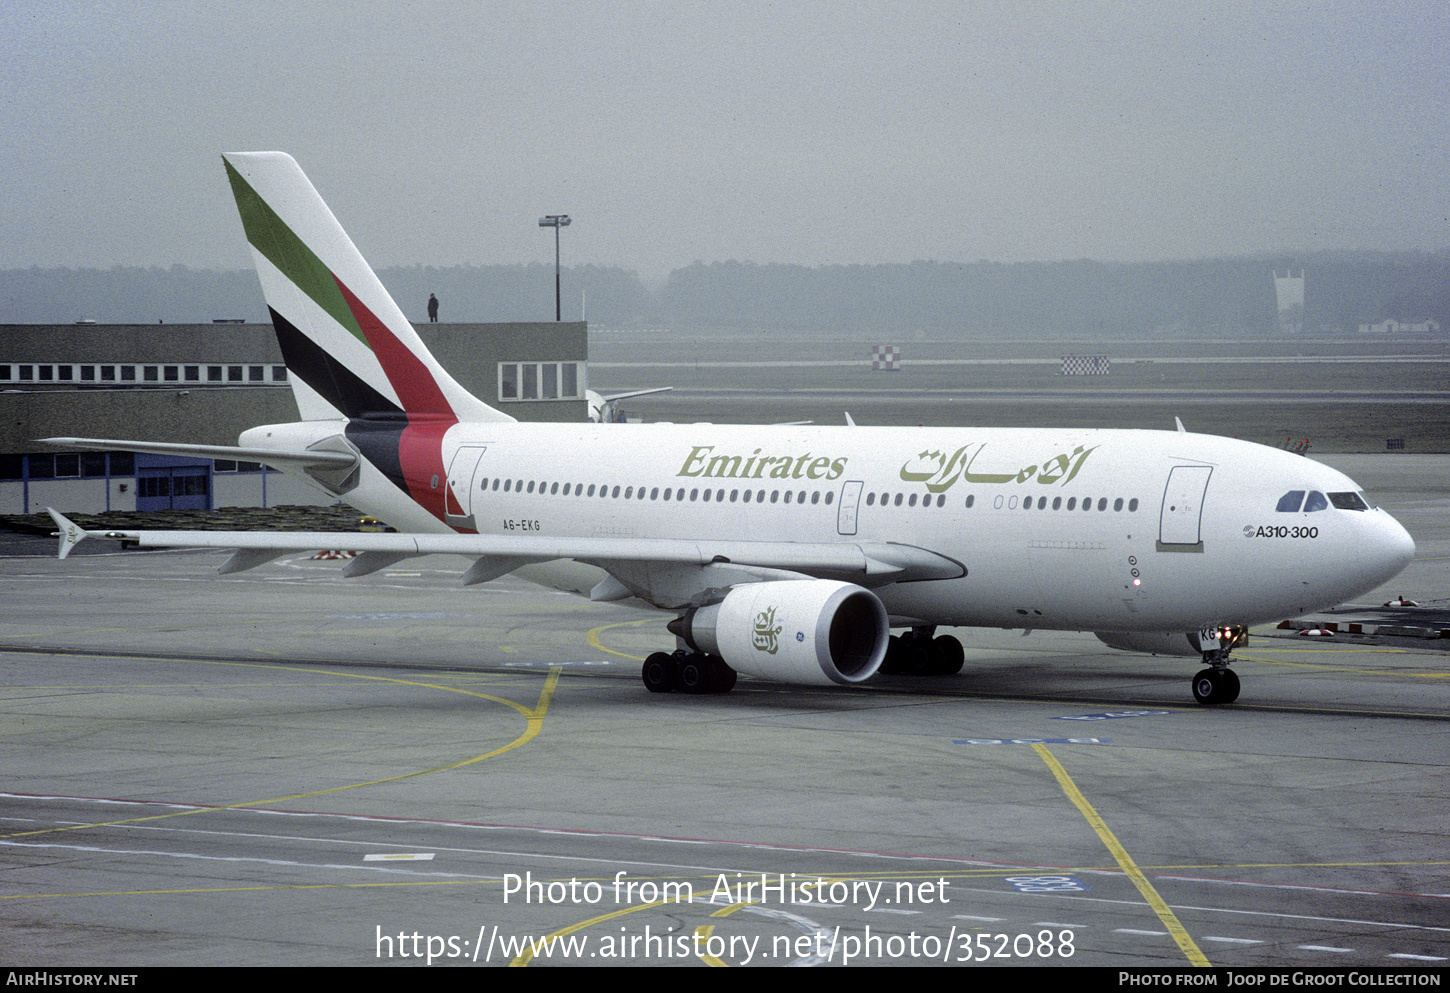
pixel 269 235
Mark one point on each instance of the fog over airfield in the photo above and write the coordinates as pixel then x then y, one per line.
pixel 797 132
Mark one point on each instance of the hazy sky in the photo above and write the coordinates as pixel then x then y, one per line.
pixel 810 133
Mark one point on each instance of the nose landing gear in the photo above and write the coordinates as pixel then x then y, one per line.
pixel 1218 683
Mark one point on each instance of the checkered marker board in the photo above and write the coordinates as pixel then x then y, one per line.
pixel 885 357
pixel 1086 365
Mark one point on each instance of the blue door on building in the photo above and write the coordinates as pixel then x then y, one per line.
pixel 171 482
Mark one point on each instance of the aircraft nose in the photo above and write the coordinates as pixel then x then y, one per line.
pixel 1389 548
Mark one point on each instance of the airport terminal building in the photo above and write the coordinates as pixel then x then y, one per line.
pixel 206 383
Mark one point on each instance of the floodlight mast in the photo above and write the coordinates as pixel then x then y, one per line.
pixel 556 221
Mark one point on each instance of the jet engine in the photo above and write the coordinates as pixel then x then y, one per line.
pixel 813 631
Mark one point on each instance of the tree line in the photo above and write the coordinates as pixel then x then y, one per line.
pixel 1230 296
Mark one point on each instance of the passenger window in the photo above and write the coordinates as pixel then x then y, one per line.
pixel 1315 502
pixel 1347 501
pixel 1289 502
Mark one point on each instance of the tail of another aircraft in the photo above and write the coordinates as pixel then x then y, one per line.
pixel 349 350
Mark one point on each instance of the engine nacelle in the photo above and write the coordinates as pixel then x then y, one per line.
pixel 814 631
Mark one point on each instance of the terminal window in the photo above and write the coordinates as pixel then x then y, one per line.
pixel 523 381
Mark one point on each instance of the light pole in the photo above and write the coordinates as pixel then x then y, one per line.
pixel 555 221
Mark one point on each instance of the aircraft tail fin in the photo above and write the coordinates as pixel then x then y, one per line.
pixel 349 350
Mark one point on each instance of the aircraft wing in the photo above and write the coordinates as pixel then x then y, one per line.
pixel 707 562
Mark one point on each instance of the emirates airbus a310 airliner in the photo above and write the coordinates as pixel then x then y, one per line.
pixel 784 552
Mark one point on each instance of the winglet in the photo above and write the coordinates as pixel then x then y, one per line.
pixel 70 533
pixel 1179 422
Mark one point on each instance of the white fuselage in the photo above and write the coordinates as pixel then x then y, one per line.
pixel 1104 530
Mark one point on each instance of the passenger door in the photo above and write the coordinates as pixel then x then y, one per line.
pixel 1181 517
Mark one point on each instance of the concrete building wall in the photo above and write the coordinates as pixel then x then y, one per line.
pixel 195 417
pixel 203 413
pixel 145 395
pixel 269 489
pixel 83 496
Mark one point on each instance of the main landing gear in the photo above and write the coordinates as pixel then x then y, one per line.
pixel 688 672
pixel 1218 683
pixel 917 653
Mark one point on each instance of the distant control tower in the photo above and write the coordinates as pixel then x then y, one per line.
pixel 1289 289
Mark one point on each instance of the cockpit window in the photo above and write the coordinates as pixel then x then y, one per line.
pixel 1315 502
pixel 1348 501
pixel 1289 502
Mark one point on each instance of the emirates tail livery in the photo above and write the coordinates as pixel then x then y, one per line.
pixel 784 552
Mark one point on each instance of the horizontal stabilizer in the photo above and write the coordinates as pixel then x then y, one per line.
pixel 268 456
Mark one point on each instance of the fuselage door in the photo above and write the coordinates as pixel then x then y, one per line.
pixel 850 502
pixel 461 472
pixel 1179 522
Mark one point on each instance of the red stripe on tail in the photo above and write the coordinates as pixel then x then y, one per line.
pixel 409 377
